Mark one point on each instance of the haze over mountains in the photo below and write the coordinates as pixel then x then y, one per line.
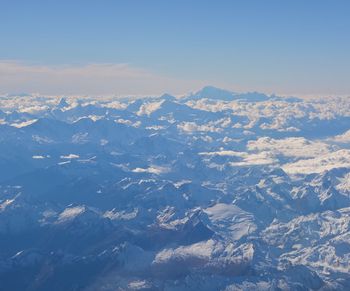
pixel 213 191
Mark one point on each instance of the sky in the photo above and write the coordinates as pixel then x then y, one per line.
pixel 149 47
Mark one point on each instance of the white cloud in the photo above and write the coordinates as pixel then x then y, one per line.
pixel 342 138
pixel 279 115
pixel 320 164
pixel 148 108
pixel 128 122
pixel 70 156
pixel 247 159
pixel 90 79
pixel 34 109
pixel 291 147
pixel 227 153
pixel 263 158
pixel 115 105
pixel 191 127
pixel 24 123
pixel 152 170
pixel 38 157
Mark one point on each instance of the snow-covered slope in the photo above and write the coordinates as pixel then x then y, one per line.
pixel 213 191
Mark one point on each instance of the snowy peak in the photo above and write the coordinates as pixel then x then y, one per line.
pixel 213 93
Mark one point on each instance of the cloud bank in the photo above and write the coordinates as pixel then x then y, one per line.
pixel 91 79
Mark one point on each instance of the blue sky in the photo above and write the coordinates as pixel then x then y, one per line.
pixel 290 47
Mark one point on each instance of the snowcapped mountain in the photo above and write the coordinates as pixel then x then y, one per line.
pixel 213 191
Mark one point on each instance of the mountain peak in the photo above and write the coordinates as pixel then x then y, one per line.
pixel 212 92
pixel 63 103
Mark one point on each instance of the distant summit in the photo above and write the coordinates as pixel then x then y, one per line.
pixel 211 92
pixel 214 93
pixel 63 103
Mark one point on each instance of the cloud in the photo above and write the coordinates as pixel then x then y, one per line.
pixel 24 123
pixel 90 79
pixel 342 138
pixel 148 108
pixel 212 126
pixel 152 170
pixel 190 127
pixel 70 156
pixel 246 159
pixel 227 153
pixel 320 164
pixel 298 147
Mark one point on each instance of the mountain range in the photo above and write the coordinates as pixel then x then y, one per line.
pixel 214 190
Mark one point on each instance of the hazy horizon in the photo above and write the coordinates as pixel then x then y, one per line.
pixel 147 48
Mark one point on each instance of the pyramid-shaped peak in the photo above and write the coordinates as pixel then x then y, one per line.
pixel 63 103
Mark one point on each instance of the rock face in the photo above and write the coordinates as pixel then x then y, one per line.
pixel 213 191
